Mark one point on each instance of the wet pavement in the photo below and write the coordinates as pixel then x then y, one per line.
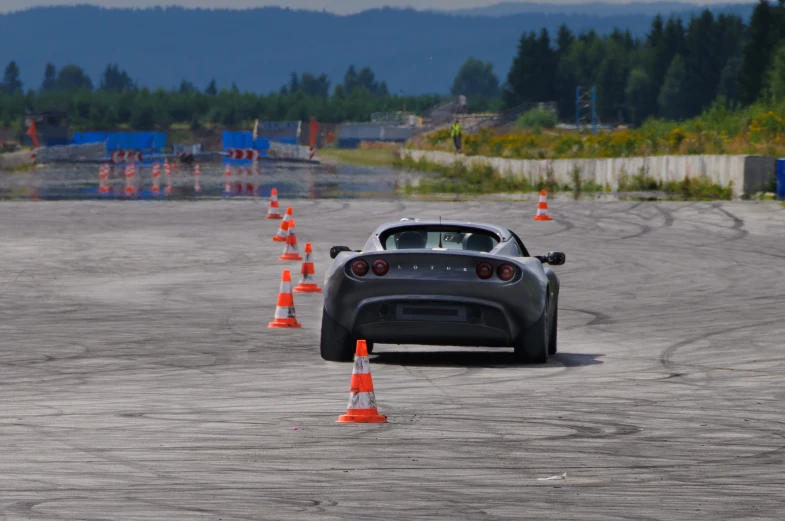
pixel 85 182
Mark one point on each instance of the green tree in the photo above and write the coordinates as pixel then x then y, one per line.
pixel 763 36
pixel 475 78
pixel 612 82
pixel 211 89
pixel 533 74
pixel 143 117
pixel 72 77
pixel 776 74
pixel 11 82
pixel 317 87
pixel 672 100
pixel 50 78
pixel 641 95
pixel 113 79
pixel 186 87
pixel 729 79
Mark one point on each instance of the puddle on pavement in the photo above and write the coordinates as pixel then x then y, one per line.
pixel 88 182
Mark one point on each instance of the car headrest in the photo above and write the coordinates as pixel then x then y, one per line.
pixel 411 241
pixel 477 242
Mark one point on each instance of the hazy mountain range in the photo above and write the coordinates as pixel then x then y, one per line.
pixel 414 51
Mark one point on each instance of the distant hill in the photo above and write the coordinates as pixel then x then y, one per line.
pixel 418 52
pixel 602 9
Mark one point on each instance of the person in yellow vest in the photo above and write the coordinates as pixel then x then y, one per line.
pixel 457 134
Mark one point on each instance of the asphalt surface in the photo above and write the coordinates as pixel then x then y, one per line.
pixel 139 380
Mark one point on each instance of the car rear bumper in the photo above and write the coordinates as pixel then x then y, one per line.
pixel 435 321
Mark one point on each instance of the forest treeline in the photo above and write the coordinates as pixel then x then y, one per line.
pixel 675 72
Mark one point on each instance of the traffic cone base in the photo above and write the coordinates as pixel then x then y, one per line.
pixel 307 288
pixel 362 400
pixel 278 325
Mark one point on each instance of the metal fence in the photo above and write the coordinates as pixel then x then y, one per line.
pixel 510 116
pixel 65 153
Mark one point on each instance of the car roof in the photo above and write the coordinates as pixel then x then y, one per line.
pixel 411 222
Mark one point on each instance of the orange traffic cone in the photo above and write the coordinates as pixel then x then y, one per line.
pixel 362 401
pixel 282 231
pixel 290 251
pixel 273 212
pixel 307 283
pixel 284 312
pixel 542 208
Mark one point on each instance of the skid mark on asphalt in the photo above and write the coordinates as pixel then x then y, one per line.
pixel 666 357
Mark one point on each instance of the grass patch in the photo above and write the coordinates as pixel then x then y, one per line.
pixel 360 156
pixel 699 189
pixel 460 179
pixel 756 130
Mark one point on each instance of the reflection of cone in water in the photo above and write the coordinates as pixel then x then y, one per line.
pixel 307 283
pixel 285 316
pixel 290 251
pixel 103 179
pixel 197 174
pixel 228 180
pixel 542 208
pixel 273 212
pixel 168 189
pixel 282 231
pixel 249 189
pixel 362 400
pixel 156 178
pixel 130 172
pixel 312 188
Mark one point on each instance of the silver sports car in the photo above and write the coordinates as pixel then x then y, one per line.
pixel 441 283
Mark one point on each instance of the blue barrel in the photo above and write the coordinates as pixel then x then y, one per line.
pixel 781 179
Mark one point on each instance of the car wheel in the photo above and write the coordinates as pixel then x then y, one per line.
pixel 336 342
pixel 531 346
pixel 552 338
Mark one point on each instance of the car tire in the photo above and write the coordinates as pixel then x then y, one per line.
pixel 532 345
pixel 552 347
pixel 336 343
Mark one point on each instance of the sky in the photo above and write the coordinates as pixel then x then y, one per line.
pixel 336 6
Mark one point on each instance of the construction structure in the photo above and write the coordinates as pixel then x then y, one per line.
pixel 586 108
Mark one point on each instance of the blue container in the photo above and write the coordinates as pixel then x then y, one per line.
pixel 123 140
pixel 781 179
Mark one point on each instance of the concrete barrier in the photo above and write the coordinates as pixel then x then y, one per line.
pixel 749 174
pixel 14 160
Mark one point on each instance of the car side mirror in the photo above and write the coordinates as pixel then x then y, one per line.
pixel 335 250
pixel 556 258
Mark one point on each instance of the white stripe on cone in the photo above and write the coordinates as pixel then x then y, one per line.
pixel 361 365
pixel 361 401
pixel 284 312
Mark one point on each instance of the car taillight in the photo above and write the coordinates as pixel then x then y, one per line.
pixel 506 272
pixel 360 268
pixel 484 271
pixel 380 267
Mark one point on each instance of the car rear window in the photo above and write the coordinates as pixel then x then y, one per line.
pixel 452 239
